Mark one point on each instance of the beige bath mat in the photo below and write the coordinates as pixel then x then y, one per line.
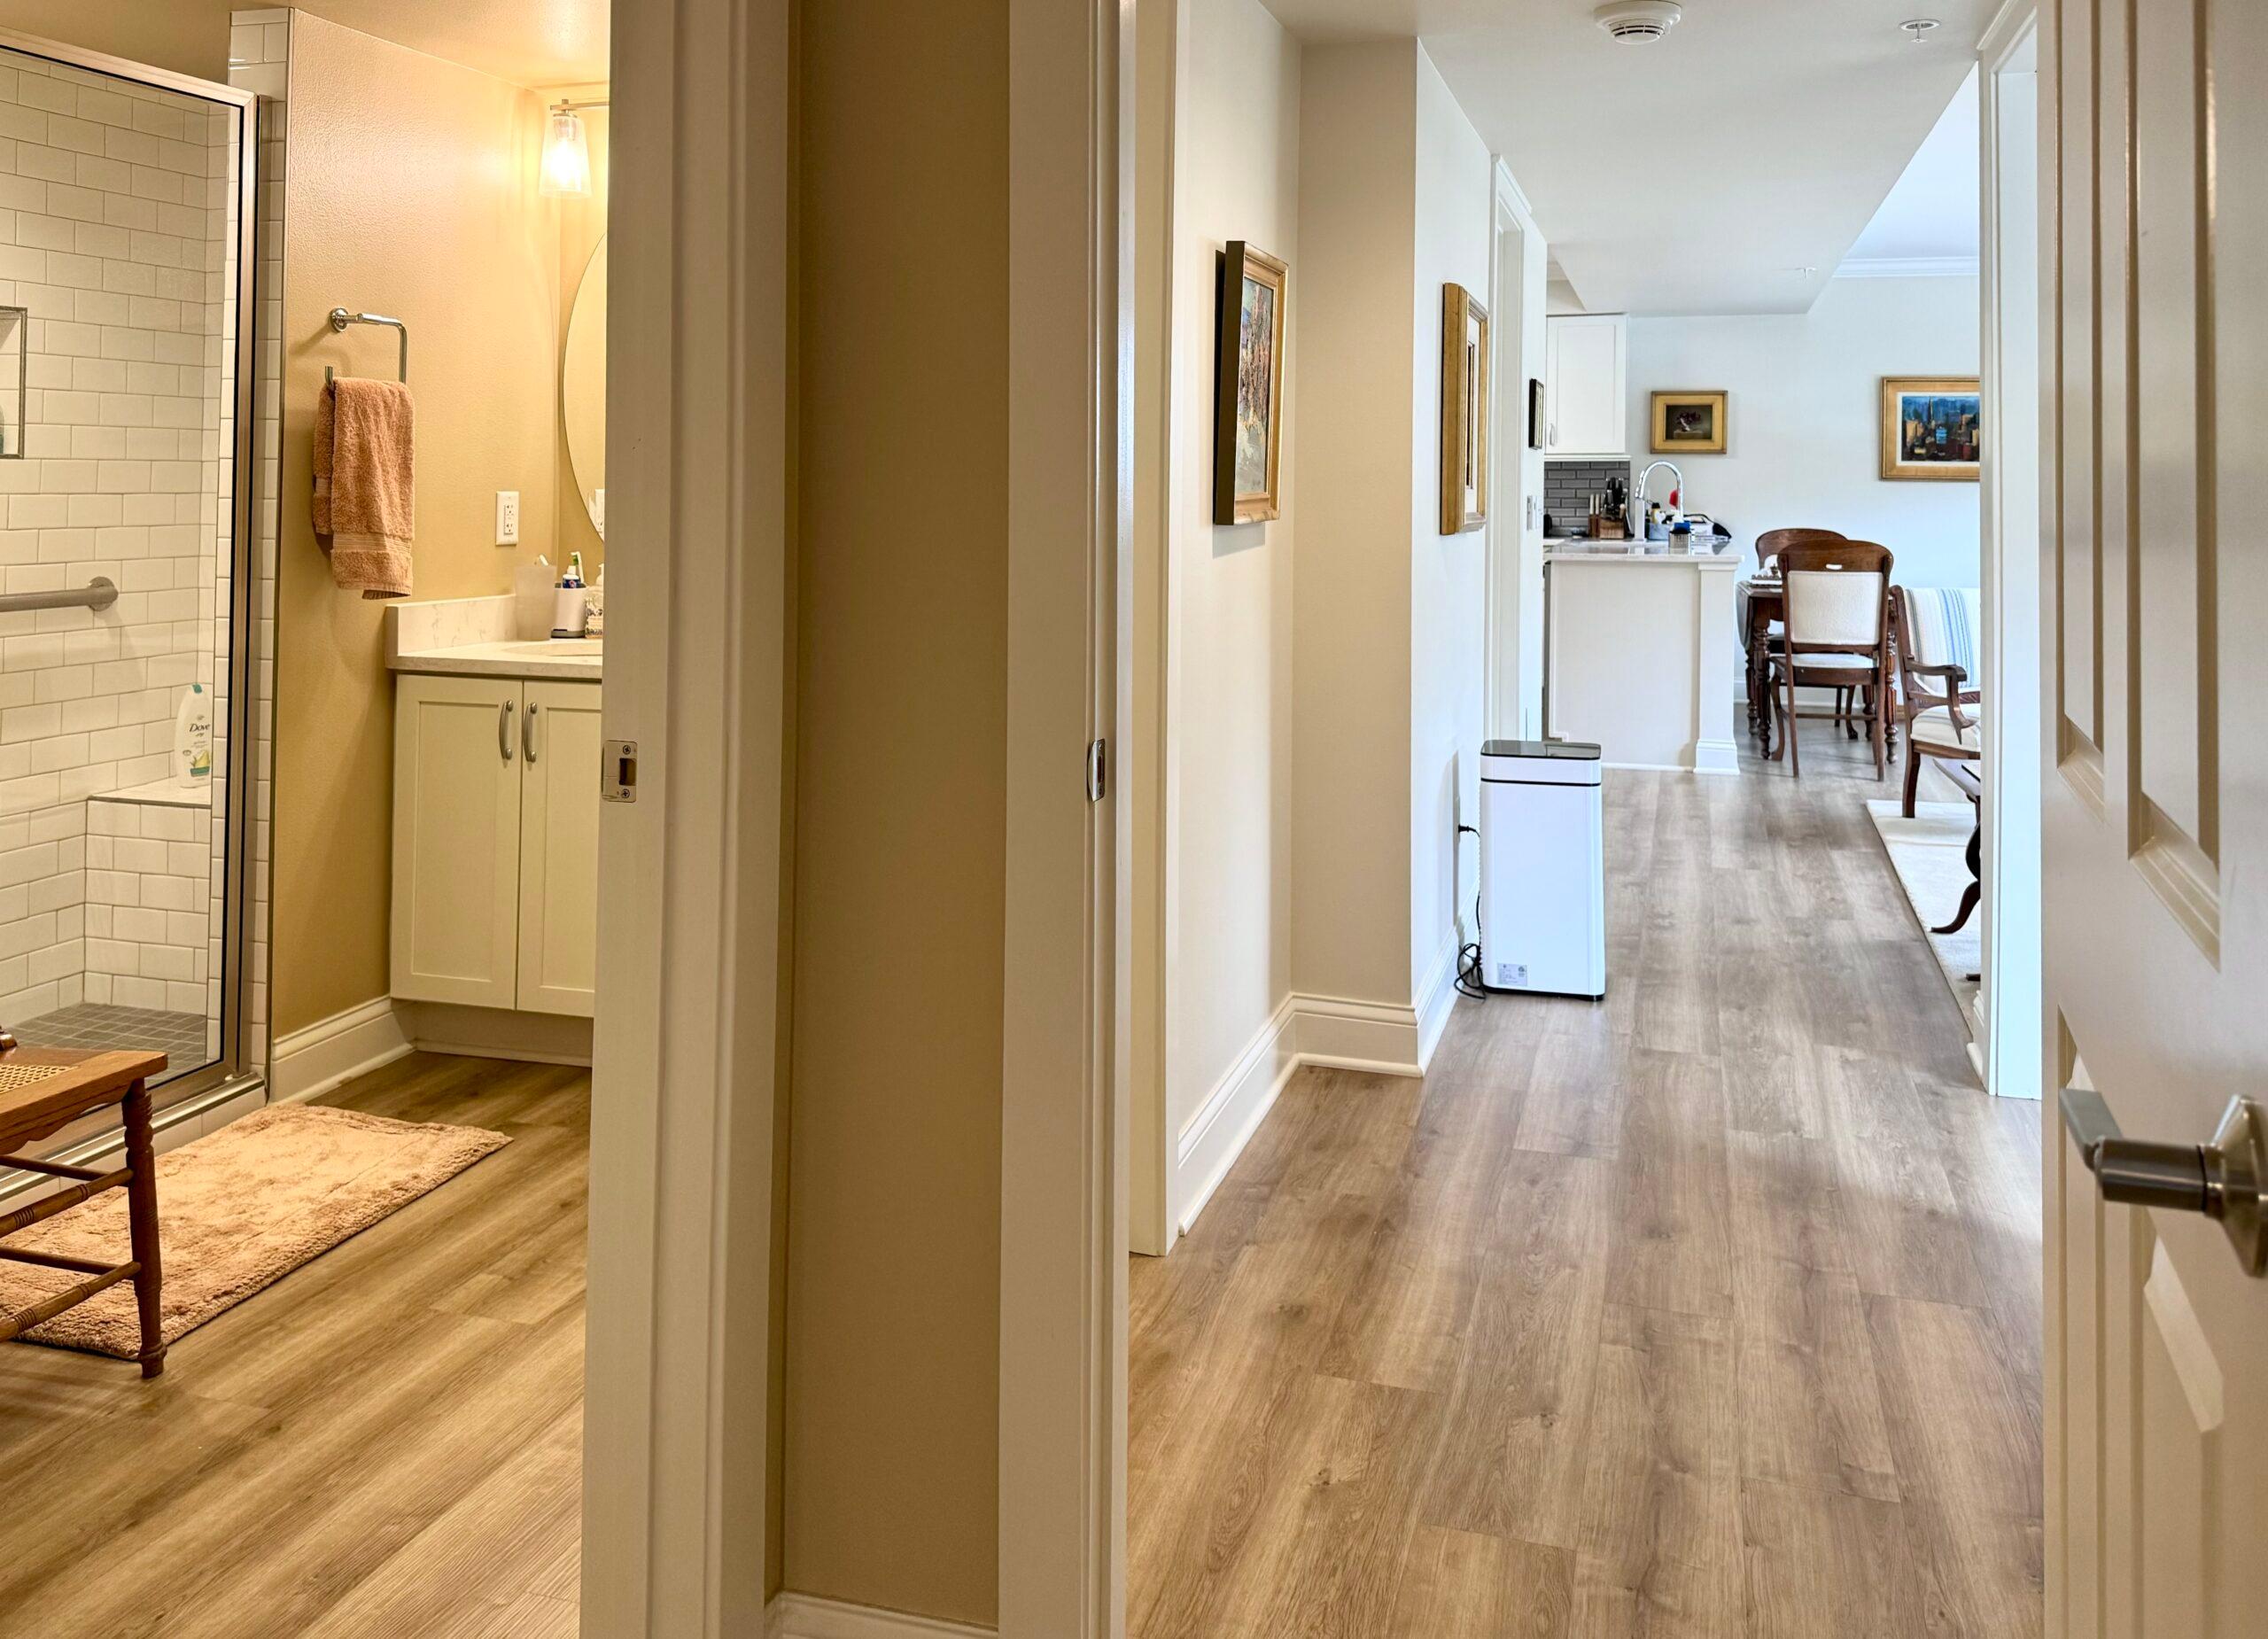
pixel 238 1210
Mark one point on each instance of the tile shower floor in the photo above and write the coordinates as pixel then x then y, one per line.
pixel 179 1036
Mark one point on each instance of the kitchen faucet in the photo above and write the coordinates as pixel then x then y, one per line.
pixel 1638 498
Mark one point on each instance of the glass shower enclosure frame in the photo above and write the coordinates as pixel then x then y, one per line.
pixel 239 1063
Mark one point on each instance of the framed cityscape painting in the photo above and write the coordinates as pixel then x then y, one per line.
pixel 1249 364
pixel 1932 427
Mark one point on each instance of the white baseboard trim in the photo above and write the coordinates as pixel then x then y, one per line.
pixel 1331 1032
pixel 331 1051
pixel 1436 997
pixel 1716 756
pixel 1214 1138
pixel 800 1616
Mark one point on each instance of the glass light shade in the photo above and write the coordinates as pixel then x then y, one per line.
pixel 566 155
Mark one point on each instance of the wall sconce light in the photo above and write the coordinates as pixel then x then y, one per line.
pixel 567 151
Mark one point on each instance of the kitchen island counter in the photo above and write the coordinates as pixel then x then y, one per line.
pixel 1639 653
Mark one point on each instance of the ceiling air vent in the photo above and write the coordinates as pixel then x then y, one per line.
pixel 1638 22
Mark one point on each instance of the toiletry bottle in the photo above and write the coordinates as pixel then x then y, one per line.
pixel 572 599
pixel 594 612
pixel 193 737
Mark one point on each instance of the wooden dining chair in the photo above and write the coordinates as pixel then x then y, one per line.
pixel 1938 628
pixel 1836 635
pixel 1769 545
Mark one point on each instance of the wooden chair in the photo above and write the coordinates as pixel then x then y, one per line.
pixel 1938 629
pixel 1769 545
pixel 41 1091
pixel 1837 636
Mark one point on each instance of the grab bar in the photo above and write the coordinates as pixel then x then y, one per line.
pixel 340 319
pixel 100 593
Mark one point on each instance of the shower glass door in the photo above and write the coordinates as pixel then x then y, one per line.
pixel 125 368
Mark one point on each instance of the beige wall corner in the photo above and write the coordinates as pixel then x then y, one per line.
pixel 411 191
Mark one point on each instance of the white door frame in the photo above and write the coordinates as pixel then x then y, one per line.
pixel 1513 705
pixel 2010 1027
pixel 676 1429
pixel 684 1082
pixel 1063 1123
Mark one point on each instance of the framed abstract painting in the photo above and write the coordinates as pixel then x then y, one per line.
pixel 1932 427
pixel 1249 364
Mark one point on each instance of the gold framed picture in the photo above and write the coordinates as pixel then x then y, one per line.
pixel 1248 415
pixel 1932 428
pixel 1464 411
pixel 1688 423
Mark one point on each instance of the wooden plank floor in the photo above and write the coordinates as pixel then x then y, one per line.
pixel 387 1441
pixel 1709 1311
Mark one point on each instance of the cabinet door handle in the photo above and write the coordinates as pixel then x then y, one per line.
pixel 504 731
pixel 527 733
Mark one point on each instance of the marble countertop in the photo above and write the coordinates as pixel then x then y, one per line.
pixel 1573 550
pixel 479 637
pixel 565 659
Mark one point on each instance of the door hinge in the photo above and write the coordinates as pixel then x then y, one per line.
pixel 618 771
pixel 1097 777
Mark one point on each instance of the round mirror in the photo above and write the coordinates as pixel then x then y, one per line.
pixel 582 389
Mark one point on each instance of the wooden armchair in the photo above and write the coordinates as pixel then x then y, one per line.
pixel 1837 636
pixel 1938 629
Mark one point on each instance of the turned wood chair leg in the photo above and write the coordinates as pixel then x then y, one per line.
pixel 1913 782
pixel 142 1219
pixel 1875 697
pixel 1787 728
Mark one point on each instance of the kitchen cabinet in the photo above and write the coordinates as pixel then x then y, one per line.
pixel 495 842
pixel 1584 363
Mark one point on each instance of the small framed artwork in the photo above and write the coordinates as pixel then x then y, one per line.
pixel 1688 423
pixel 1464 411
pixel 1932 427
pixel 1248 388
pixel 1534 414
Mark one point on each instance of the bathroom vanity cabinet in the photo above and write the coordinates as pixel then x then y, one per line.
pixel 495 842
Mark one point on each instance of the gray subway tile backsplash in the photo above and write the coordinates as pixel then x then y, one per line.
pixel 1568 486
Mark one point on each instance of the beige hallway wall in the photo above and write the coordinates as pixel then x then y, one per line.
pixel 894 1189
pixel 411 190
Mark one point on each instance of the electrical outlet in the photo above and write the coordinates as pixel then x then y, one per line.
pixel 508 517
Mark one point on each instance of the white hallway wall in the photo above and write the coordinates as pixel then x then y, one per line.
pixel 1229 650
pixel 1448 574
pixel 1805 443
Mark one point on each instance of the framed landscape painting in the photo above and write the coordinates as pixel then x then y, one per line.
pixel 1932 427
pixel 1464 411
pixel 1248 367
pixel 1690 424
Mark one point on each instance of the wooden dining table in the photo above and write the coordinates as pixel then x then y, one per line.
pixel 1759 600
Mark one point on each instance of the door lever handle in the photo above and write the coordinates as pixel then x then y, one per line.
pixel 2226 1179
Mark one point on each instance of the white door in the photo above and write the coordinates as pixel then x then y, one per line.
pixel 2156 822
pixel 559 848
pixel 1585 389
pixel 456 839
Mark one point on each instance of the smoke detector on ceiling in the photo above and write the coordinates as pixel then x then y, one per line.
pixel 1639 22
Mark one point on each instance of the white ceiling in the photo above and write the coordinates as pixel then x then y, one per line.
pixel 534 42
pixel 1695 175
pixel 1931 213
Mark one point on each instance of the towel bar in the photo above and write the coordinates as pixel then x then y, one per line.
pixel 340 319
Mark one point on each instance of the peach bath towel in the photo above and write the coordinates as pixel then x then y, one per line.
pixel 366 489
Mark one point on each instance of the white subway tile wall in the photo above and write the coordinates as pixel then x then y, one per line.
pixel 117 234
pixel 148 888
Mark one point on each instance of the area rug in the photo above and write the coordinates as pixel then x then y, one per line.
pixel 238 1210
pixel 1930 852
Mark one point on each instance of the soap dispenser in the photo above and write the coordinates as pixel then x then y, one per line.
pixel 572 604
